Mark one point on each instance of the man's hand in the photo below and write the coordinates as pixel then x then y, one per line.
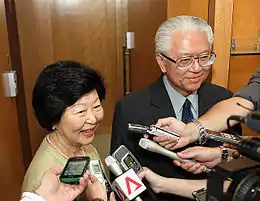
pixel 153 179
pixel 178 127
pixel 51 189
pixel 95 189
pixel 209 156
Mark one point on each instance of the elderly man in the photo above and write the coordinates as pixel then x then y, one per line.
pixel 184 55
pixel 246 100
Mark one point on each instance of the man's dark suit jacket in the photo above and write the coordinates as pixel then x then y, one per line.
pixel 146 107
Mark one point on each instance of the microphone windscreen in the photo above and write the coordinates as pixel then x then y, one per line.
pixel 156 148
pixel 109 161
pixel 144 143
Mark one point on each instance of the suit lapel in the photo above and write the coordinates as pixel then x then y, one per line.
pixel 204 98
pixel 160 102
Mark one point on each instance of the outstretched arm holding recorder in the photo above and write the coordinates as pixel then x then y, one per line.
pixel 51 189
pixel 243 102
pixel 215 119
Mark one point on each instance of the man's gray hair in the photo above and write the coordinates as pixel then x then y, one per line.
pixel 163 37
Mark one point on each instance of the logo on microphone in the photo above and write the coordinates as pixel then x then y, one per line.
pixel 128 185
pixel 128 180
pixel 120 193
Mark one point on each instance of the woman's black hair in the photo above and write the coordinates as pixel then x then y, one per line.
pixel 59 86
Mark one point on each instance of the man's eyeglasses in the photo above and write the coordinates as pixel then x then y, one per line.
pixel 186 62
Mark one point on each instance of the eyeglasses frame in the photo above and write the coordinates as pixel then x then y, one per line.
pixel 194 57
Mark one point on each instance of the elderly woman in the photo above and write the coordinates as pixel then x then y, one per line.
pixel 67 100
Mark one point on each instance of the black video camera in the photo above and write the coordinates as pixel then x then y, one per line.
pixel 242 174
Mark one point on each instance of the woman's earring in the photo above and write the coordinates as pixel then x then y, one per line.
pixel 54 127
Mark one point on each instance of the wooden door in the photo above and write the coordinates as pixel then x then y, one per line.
pixel 78 30
pixel 188 7
pixel 144 18
pixel 12 167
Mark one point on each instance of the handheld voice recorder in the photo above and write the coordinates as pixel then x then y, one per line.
pixel 152 130
pixel 96 169
pixel 126 159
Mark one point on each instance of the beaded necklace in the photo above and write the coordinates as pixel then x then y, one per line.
pixel 58 150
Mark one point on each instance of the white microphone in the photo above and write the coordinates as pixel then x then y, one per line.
pixel 127 185
pixel 113 166
pixel 156 148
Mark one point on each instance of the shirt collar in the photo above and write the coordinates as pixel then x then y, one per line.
pixel 178 100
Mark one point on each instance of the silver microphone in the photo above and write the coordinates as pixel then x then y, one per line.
pixel 113 166
pixel 156 148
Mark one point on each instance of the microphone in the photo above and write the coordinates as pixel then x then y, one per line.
pixel 113 166
pixel 156 148
pixel 223 137
pixel 250 148
pixel 127 161
pixel 246 147
pixel 127 185
pixel 252 120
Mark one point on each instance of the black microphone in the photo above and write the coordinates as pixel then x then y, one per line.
pixel 252 120
pixel 250 148
pixel 247 147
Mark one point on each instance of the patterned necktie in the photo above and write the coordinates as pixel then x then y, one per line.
pixel 186 111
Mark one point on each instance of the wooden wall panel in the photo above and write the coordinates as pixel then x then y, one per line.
pixel 241 69
pixel 188 7
pixel 222 41
pixel 36 52
pixel 69 30
pixel 246 25
pixel 246 32
pixel 86 32
pixel 144 18
pixel 246 17
pixel 12 167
